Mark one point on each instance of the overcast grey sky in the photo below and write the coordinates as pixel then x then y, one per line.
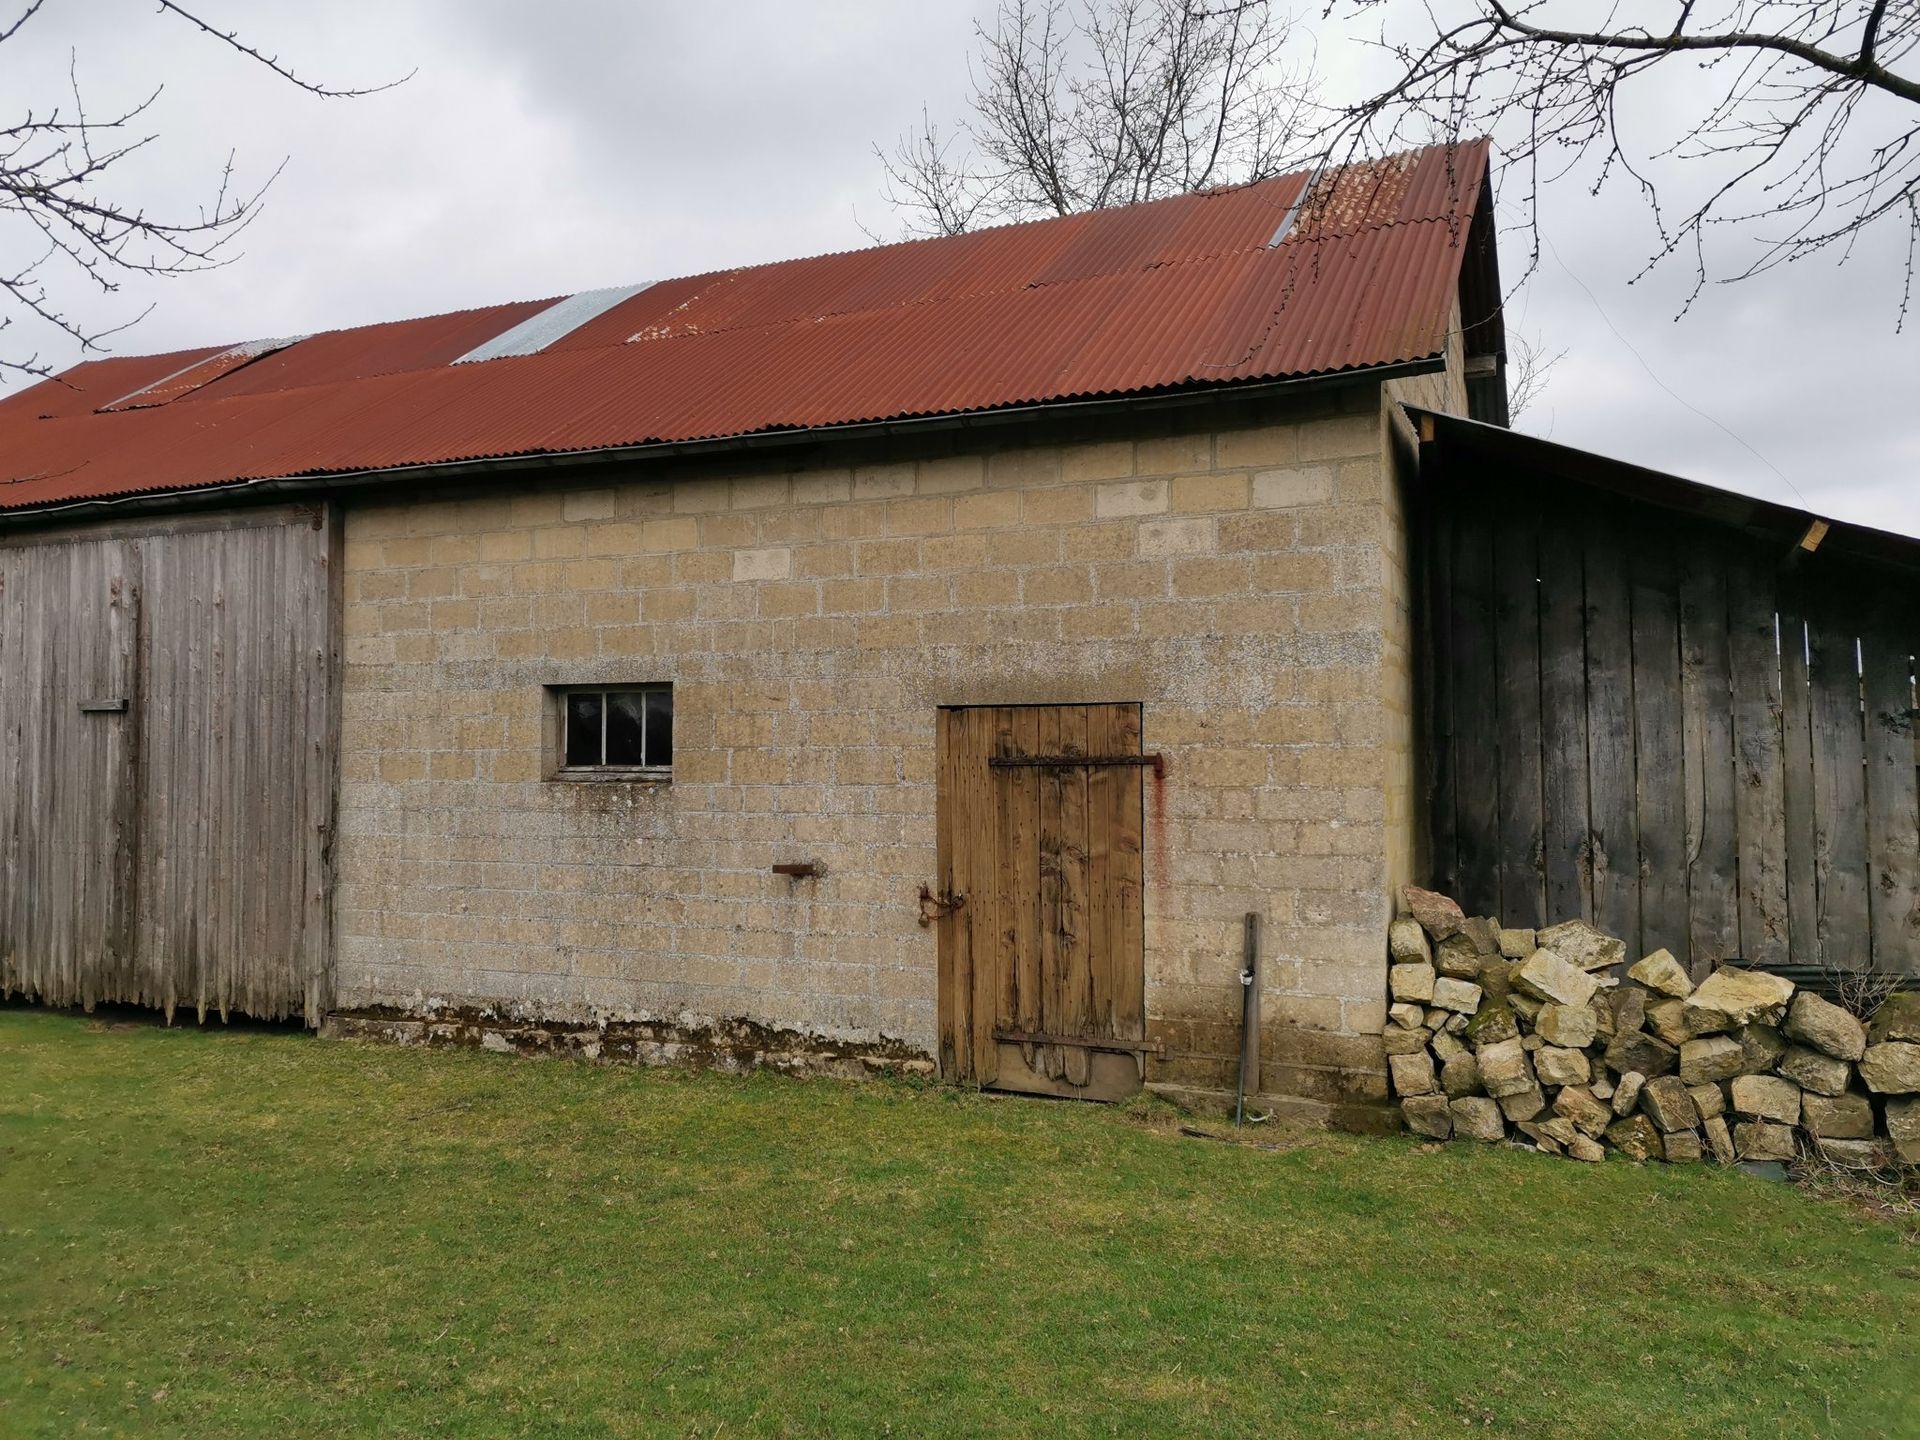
pixel 553 147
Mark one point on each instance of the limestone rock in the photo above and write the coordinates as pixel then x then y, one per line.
pixel 1491 1024
pixel 1496 977
pixel 1438 916
pixel 1456 1024
pixel 1504 1069
pixel 1892 1067
pixel 1400 1041
pixel 1411 1074
pixel 1523 1104
pixel 1766 1097
pixel 1482 933
pixel 1667 1104
pixel 1567 1025
pixel 1600 1085
pixel 1576 1103
pixel 1602 1013
pixel 1709 1100
pixel 1629 1007
pixel 1460 996
pixel 1407 943
pixel 1838 1117
pixel 1456 957
pixel 1579 944
pixel 1903 1129
pixel 1555 1065
pixel 1626 1094
pixel 1825 1027
pixel 1763 1140
pixel 1460 1076
pixel 1533 1042
pixel 1711 1058
pixel 1660 971
pixel 1681 1147
pixel 1411 982
pixel 1732 997
pixel 1762 1045
pixel 1898 1018
pixel 1526 1007
pixel 1667 1018
pixel 1516 944
pixel 1637 1050
pixel 1719 1140
pixel 1813 1070
pixel 1477 1118
pixel 1635 1137
pixel 1590 1152
pixel 1407 1016
pixel 1448 1047
pixel 1558 1129
pixel 1547 977
pixel 1428 1115
pixel 1854 1154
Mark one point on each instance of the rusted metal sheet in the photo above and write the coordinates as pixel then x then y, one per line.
pixel 1175 294
pixel 171 849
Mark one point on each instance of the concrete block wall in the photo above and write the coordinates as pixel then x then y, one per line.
pixel 1243 582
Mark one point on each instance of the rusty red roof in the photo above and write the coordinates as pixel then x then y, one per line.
pixel 1173 294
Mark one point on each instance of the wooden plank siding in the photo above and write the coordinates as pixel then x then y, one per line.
pixel 1693 737
pixel 168 704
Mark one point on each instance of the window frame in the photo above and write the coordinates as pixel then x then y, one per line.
pixel 557 766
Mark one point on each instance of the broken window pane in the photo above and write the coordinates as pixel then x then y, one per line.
pixel 625 722
pixel 583 728
pixel 659 727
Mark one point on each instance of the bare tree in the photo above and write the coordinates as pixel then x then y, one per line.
pixel 1108 103
pixel 1797 132
pixel 57 177
pixel 1529 367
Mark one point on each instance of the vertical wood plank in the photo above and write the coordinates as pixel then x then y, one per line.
pixel 1893 794
pixel 1103 959
pixel 1442 794
pixel 1839 782
pixel 1610 780
pixel 1801 819
pixel 1516 585
pixel 1030 1008
pixel 1659 762
pixel 1076 975
pixel 1476 719
pixel 982 911
pixel 1565 822
pixel 1129 941
pixel 1759 805
pixel 1706 699
pixel 1055 905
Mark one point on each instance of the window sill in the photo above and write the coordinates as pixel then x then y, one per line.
pixel 614 774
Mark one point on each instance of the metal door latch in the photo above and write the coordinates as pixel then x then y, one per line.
pixel 933 907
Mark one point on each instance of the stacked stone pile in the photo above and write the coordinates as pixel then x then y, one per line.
pixel 1540 1038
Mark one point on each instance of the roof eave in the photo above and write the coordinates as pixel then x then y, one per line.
pixel 280 487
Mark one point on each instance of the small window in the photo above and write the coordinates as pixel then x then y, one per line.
pixel 607 731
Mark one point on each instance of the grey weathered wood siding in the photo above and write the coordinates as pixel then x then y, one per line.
pixel 1695 737
pixel 167 708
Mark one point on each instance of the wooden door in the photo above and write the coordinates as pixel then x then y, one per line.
pixel 1041 958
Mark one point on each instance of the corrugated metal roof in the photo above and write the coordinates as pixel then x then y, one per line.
pixel 1176 293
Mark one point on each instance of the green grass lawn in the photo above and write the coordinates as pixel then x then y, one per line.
pixel 252 1233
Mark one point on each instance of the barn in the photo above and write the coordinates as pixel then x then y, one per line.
pixel 975 655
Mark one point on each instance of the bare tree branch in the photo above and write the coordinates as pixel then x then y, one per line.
pixel 58 191
pixel 1109 102
pixel 1803 136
